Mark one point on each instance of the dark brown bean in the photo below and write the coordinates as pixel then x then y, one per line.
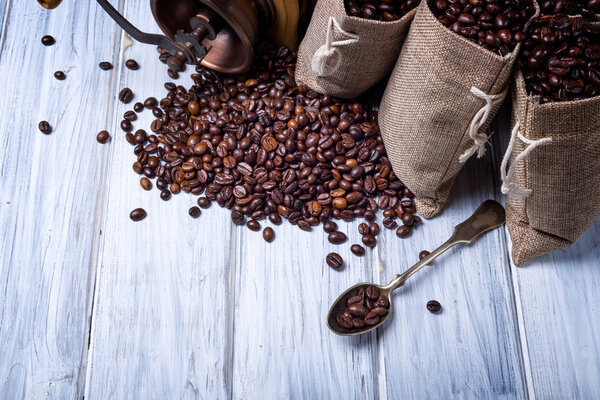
pixel 138 214
pixel 253 225
pixel 357 250
pixel 337 237
pixel 330 226
pixel 105 65
pixel 369 240
pixel 403 231
pixel 194 212
pixel 102 137
pixel 268 234
pixel 48 40
pixel 132 64
pixel 203 202
pixel 45 127
pixel 434 306
pixel 334 260
pixel 145 183
pixel 423 254
pixel 125 95
pixel 60 75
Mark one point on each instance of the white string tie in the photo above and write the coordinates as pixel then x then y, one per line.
pixel 480 138
pixel 323 53
pixel 509 187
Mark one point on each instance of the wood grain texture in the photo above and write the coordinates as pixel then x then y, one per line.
pixel 161 304
pixel 50 186
pixel 557 299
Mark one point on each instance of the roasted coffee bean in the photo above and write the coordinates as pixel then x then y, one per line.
pixel 369 240
pixel 132 64
pixel 138 107
pixel 138 214
pixel 151 102
pixel 172 74
pixel 253 225
pixel 105 65
pixel 194 212
pixel 126 125
pixel 238 218
pixel 383 10
pixel 48 40
pixel 403 231
pixel 423 254
pixel 365 307
pixel 203 202
pixel 145 183
pixel 102 137
pixel 374 228
pixel 389 223
pixel 60 75
pixel 125 95
pixel 496 25
pixel 434 306
pixel 275 218
pixel 334 260
pixel 45 127
pixel 165 194
pixel 357 250
pixel 130 115
pixel 268 234
pixel 363 228
pixel 337 237
pixel 330 226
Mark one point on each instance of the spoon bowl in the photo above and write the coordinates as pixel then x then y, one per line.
pixel 489 215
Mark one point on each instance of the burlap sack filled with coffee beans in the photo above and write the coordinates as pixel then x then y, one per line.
pixel 551 173
pixel 440 99
pixel 344 56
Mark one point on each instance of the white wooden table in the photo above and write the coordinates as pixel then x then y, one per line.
pixel 93 305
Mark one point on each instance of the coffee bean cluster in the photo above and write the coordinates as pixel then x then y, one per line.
pixel 587 8
pixel 382 10
pixel 496 25
pixel 560 59
pixel 363 309
pixel 262 146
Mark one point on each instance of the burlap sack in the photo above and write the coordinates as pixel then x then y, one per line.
pixel 551 173
pixel 442 94
pixel 344 56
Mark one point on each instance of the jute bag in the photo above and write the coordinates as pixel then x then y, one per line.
pixel 442 94
pixel 550 173
pixel 344 56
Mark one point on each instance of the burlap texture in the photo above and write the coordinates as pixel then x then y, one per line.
pixel 361 63
pixel 564 177
pixel 428 106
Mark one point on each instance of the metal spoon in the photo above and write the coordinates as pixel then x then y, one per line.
pixel 488 216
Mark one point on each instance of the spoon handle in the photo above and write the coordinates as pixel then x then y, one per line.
pixel 489 215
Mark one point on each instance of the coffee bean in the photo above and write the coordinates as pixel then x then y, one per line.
pixel 369 240
pixel 337 237
pixel 125 95
pixel 253 225
pixel 194 212
pixel 383 10
pixel 275 218
pixel 403 231
pixel 389 223
pixel 138 214
pixel 105 65
pixel 203 202
pixel 357 250
pixel 48 40
pixel 172 74
pixel 165 194
pixel 45 127
pixel 60 75
pixel 423 254
pixel 334 260
pixel 434 306
pixel 330 226
pixel 268 234
pixel 238 218
pixel 151 102
pixel 374 228
pixel 132 64
pixel 138 107
pixel 145 183
pixel 126 125
pixel 363 228
pixel 102 137
pixel 130 115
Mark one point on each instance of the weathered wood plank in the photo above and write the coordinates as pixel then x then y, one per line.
pixel 557 303
pixel 471 349
pixel 48 202
pixel 160 319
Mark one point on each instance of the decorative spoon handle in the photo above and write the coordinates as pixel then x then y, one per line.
pixel 488 216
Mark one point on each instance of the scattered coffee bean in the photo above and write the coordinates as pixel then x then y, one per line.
pixel 268 234
pixel 374 228
pixel 126 125
pixel 253 225
pixel 125 95
pixel 238 218
pixel 434 306
pixel 138 107
pixel 275 218
pixel 150 102
pixel 194 212
pixel 145 183
pixel 102 137
pixel 389 223
pixel 403 231
pixel 330 226
pixel 382 10
pixel 334 260
pixel 138 214
pixel 48 40
pixel 337 237
pixel 172 74
pixel 369 240
pixel 365 308
pixel 60 75
pixel 363 228
pixel 165 194
pixel 45 127
pixel 105 65
pixel 423 254
pixel 357 250
pixel 132 64
pixel 130 115
pixel 203 202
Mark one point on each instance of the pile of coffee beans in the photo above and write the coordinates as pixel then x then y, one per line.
pixel 496 25
pixel 262 146
pixel 586 8
pixel 560 58
pixel 382 10
pixel 363 309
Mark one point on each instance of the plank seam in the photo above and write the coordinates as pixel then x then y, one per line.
pixel 4 25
